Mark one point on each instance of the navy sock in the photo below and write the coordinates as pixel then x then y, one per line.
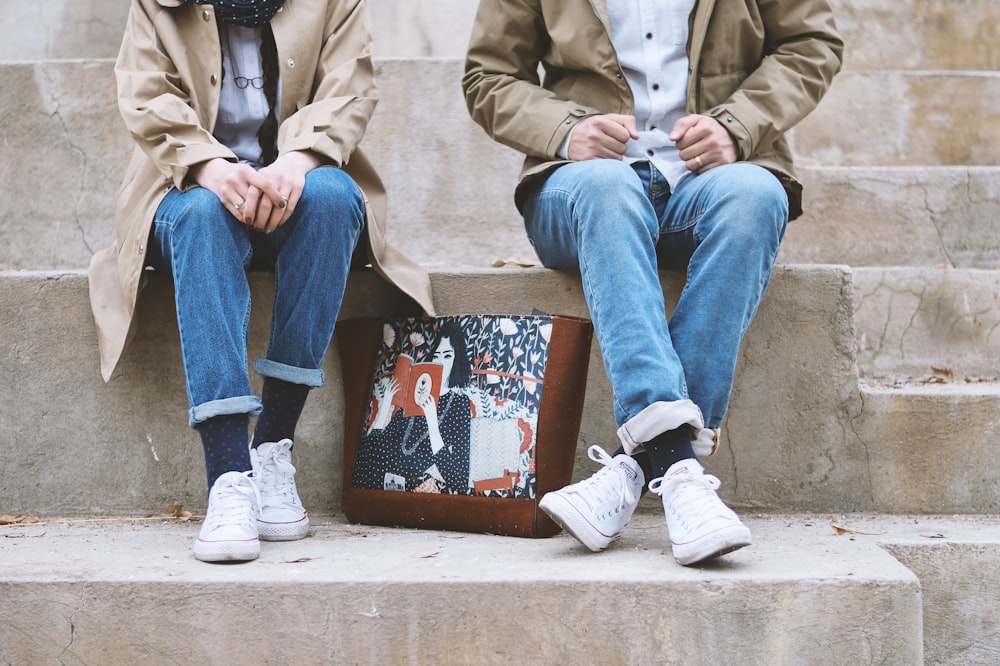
pixel 224 439
pixel 283 403
pixel 668 448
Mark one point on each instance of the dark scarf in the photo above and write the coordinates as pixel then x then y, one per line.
pixel 250 13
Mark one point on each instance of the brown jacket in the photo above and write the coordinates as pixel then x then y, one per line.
pixel 757 67
pixel 169 72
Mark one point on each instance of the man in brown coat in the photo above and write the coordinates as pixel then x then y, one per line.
pixel 654 139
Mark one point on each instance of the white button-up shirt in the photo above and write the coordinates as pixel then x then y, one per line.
pixel 650 40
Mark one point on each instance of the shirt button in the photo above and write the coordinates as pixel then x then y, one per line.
pixel 650 152
pixel 656 86
pixel 291 63
pixel 649 35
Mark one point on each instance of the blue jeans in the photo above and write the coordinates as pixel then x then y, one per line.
pixel 207 253
pixel 616 225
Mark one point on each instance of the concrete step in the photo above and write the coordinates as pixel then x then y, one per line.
pixel 67 151
pixel 798 405
pixel 885 589
pixel 938 34
pixel 919 34
pixel 893 216
pixel 126 445
pixel 927 326
pixel 903 118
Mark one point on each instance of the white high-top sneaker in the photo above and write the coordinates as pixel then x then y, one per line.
pixel 282 517
pixel 700 525
pixel 597 509
pixel 229 532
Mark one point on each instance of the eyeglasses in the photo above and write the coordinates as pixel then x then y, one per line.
pixel 242 82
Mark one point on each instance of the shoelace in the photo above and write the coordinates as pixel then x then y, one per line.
pixel 604 485
pixel 692 494
pixel 227 507
pixel 279 477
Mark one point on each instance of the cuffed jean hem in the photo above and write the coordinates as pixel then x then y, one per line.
pixel 656 419
pixel 288 373
pixel 244 404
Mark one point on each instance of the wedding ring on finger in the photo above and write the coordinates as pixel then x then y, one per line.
pixel 697 159
pixel 284 201
pixel 238 204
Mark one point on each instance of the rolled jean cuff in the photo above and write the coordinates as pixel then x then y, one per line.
pixel 244 404
pixel 288 373
pixel 658 418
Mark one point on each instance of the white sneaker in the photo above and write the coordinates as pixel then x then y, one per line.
pixel 597 509
pixel 700 525
pixel 229 532
pixel 282 517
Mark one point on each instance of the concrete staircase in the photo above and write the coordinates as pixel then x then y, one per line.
pixel 860 444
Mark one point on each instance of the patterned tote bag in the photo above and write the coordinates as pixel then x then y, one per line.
pixel 461 422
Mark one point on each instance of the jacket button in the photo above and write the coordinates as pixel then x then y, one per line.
pixel 729 119
pixel 206 15
pixel 214 79
pixel 291 63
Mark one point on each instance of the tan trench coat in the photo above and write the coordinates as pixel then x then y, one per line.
pixel 757 67
pixel 169 72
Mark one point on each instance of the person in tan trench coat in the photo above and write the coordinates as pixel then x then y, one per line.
pixel 654 139
pixel 247 116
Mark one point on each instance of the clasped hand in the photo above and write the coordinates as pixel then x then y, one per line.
pixel 263 199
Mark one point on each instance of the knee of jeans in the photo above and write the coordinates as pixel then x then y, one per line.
pixel 332 187
pixel 194 212
pixel 606 178
pixel 761 200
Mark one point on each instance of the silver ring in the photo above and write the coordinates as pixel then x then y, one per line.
pixel 238 204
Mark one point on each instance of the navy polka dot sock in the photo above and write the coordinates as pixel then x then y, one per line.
pixel 668 448
pixel 283 403
pixel 661 452
pixel 224 439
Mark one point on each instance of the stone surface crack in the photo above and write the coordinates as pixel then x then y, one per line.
pixel 72 637
pixel 56 112
pixel 937 229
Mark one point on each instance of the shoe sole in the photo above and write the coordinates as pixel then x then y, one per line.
pixel 283 531
pixel 227 551
pixel 715 544
pixel 570 519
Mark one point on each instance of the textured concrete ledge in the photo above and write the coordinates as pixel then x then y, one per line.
pixel 910 321
pixel 78 446
pixel 898 216
pixel 802 434
pixel 117 593
pixel 904 118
